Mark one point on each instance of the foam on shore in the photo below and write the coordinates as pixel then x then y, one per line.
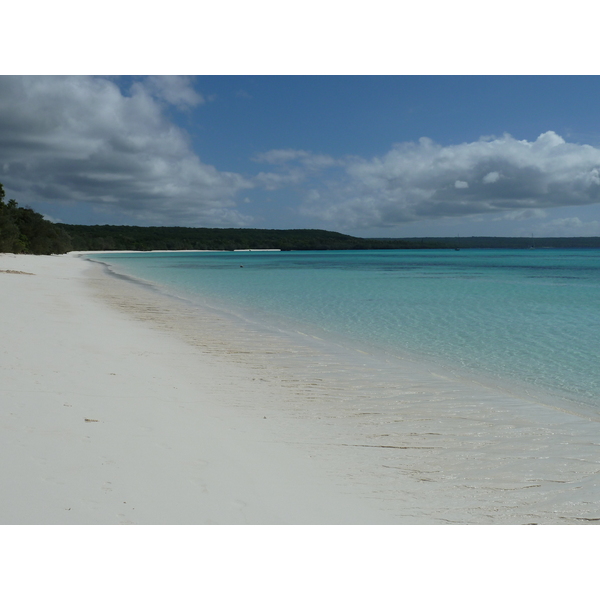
pixel 125 405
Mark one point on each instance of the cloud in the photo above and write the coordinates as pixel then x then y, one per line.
pixel 86 140
pixel 491 177
pixel 51 219
pixel 306 159
pixel 276 157
pixel 173 89
pixel 82 139
pixel 424 180
pixel 568 227
pixel 294 167
pixel 523 215
pixel 275 181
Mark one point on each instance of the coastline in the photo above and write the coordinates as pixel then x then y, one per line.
pixel 106 421
pixel 176 399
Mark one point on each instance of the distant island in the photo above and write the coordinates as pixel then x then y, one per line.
pixel 24 231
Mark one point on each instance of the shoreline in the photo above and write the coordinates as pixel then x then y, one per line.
pixel 436 451
pixel 299 332
pixel 576 397
pixel 106 421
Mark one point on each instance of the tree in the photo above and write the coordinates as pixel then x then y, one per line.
pixel 22 230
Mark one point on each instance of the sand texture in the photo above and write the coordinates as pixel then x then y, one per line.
pixel 121 406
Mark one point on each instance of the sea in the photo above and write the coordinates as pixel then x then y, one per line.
pixel 523 321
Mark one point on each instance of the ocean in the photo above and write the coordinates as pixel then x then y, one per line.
pixel 522 321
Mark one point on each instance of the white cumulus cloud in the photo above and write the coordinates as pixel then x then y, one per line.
pixel 81 139
pixel 425 180
pixel 491 177
pixel 173 89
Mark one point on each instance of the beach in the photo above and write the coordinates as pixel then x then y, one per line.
pixel 122 406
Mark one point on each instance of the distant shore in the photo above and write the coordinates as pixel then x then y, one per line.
pixel 124 407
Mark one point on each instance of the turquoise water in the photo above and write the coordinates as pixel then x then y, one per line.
pixel 526 318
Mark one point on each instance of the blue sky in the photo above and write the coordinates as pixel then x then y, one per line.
pixel 381 156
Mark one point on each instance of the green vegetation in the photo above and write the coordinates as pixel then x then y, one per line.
pixel 23 231
pixel 125 237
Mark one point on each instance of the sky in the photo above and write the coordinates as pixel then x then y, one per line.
pixel 462 128
pixel 378 156
pixel 377 120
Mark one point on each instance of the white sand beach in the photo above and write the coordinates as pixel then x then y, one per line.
pixel 118 407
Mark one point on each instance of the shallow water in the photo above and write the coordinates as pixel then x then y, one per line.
pixel 403 425
pixel 525 321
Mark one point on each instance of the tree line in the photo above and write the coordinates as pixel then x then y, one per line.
pixel 129 237
pixel 24 231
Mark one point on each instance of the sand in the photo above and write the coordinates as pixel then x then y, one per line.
pixel 107 421
pixel 120 406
